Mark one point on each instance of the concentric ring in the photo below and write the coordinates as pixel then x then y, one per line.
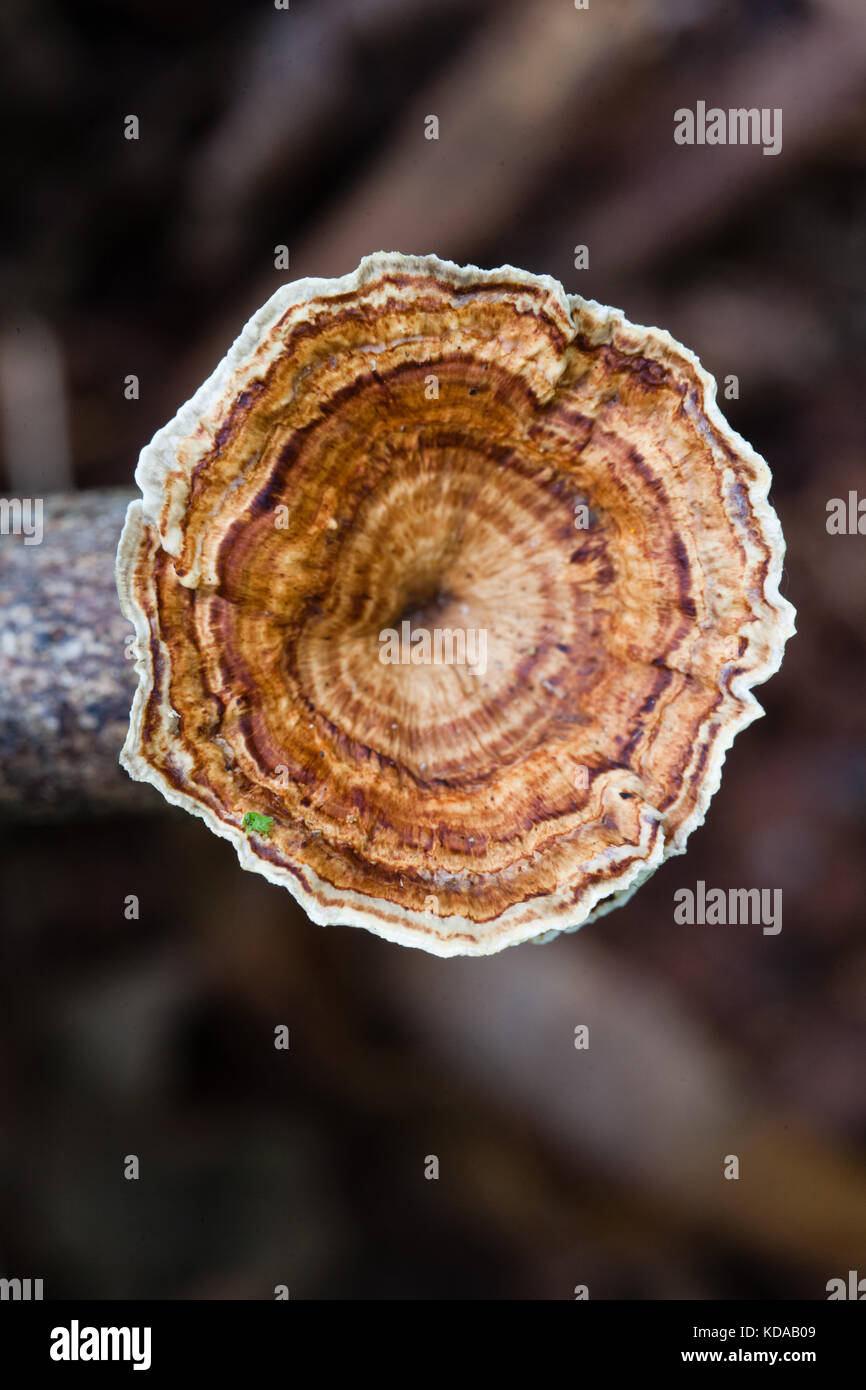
pixel 461 582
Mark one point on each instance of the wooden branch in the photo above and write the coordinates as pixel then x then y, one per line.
pixel 66 683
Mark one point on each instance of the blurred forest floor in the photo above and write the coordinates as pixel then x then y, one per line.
pixel 305 127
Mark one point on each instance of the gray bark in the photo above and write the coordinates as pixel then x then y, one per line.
pixel 66 683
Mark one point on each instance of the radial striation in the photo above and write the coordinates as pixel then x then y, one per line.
pixel 441 452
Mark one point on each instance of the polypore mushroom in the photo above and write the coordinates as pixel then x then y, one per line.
pixel 405 456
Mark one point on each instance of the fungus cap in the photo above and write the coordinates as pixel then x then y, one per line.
pixel 449 593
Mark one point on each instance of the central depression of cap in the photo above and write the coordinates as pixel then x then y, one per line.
pixel 468 459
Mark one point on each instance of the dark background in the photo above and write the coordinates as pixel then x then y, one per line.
pixel 557 1167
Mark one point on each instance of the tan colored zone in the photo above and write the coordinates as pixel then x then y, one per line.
pixel 415 439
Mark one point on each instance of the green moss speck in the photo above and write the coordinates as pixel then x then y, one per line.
pixel 254 820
